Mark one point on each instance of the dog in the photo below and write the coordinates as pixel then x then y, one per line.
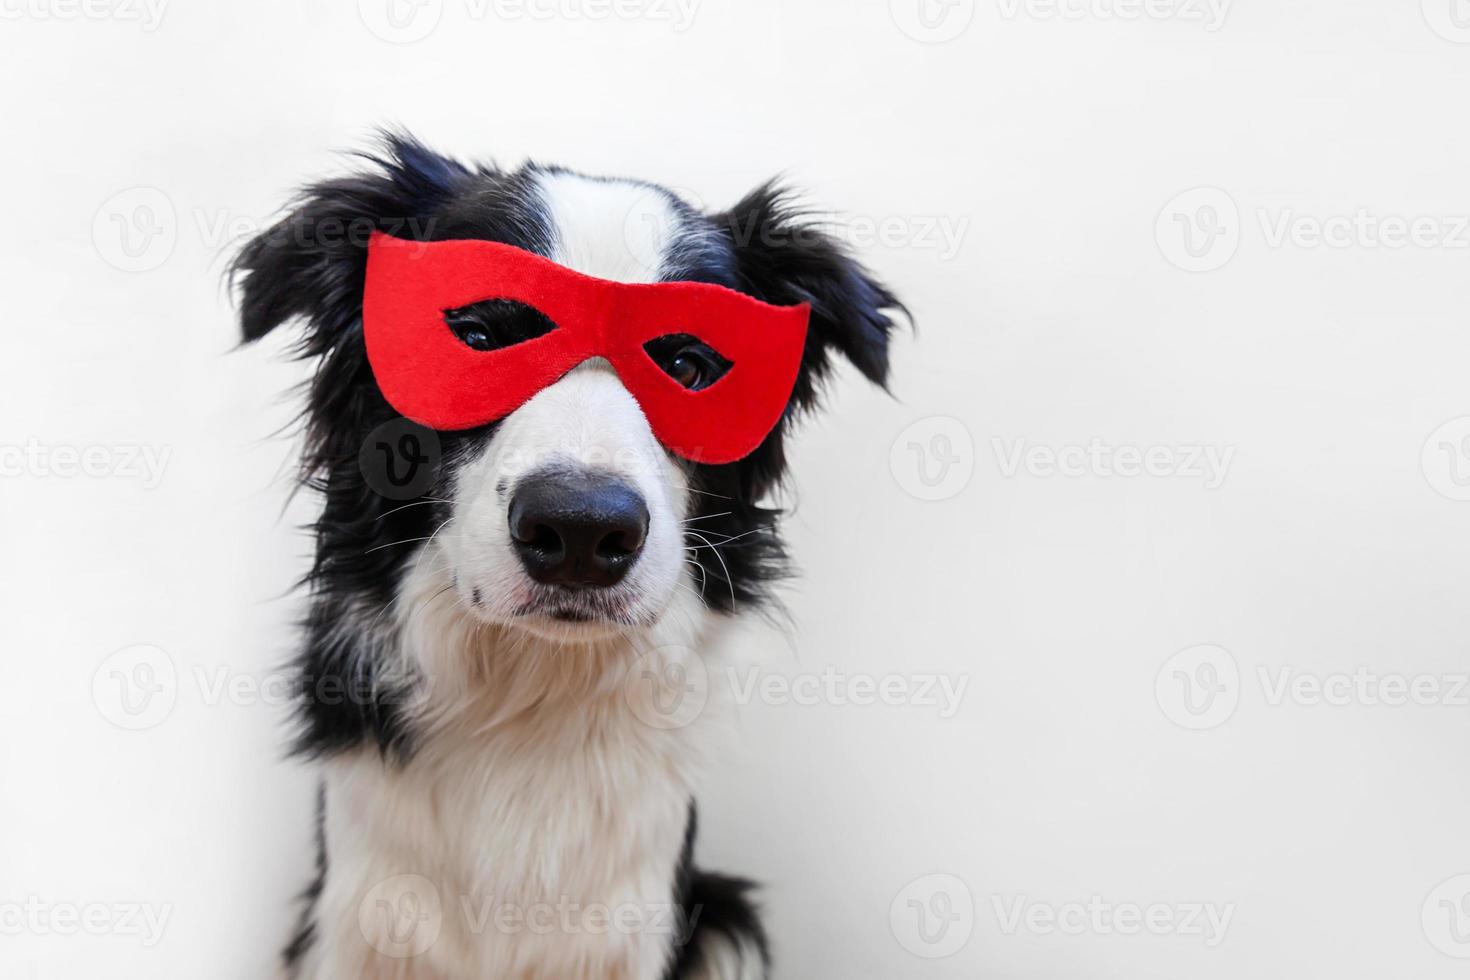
pixel 498 796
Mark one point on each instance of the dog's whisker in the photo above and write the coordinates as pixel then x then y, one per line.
pixel 393 544
pixel 417 503
pixel 689 489
pixel 430 543
pixel 706 517
pixel 722 563
pixel 726 543
pixel 703 575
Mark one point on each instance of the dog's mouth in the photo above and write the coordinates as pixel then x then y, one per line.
pixel 568 614
pixel 576 608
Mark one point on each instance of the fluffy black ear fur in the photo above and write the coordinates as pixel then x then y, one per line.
pixel 783 257
pixel 773 252
pixel 311 263
pixel 310 267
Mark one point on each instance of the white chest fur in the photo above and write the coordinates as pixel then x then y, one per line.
pixel 536 831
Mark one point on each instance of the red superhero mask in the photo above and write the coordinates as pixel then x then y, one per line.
pixel 461 333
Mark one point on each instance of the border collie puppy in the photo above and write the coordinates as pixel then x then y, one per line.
pixel 505 789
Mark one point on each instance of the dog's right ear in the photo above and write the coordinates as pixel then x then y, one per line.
pixel 310 265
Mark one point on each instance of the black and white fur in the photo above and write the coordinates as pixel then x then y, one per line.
pixel 488 742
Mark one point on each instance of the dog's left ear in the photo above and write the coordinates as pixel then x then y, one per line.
pixel 784 258
pixel 310 265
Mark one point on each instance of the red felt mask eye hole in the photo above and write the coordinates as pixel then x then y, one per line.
pixel 691 362
pixel 493 324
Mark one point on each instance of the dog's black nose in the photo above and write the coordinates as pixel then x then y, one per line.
pixel 578 528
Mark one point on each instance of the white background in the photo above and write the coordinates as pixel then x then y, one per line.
pixel 1057 146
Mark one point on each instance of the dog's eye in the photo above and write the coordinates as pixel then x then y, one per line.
pixel 495 323
pixel 688 360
